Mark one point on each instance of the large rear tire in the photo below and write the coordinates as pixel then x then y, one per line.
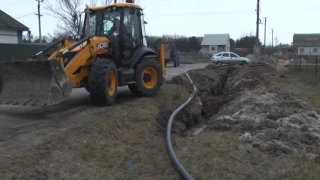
pixel 103 82
pixel 148 77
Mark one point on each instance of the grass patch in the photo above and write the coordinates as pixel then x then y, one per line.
pixel 217 155
pixel 124 142
pixel 118 142
pixel 304 84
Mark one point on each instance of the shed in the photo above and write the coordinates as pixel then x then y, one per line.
pixel 214 43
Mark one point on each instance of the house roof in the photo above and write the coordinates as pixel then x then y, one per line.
pixel 8 22
pixel 306 40
pixel 215 39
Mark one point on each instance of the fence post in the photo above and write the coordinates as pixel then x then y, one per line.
pixel 300 63
pixel 316 65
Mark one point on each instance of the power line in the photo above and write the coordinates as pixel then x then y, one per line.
pixel 14 3
pixel 201 13
pixel 24 15
pixel 222 12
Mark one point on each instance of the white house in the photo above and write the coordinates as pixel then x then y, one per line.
pixel 307 44
pixel 214 43
pixel 10 29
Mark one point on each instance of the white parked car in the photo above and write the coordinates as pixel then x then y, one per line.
pixel 229 58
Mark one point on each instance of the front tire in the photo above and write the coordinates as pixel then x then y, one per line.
pixel 148 77
pixel 103 82
pixel 243 63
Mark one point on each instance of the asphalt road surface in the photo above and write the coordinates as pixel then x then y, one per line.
pixel 172 71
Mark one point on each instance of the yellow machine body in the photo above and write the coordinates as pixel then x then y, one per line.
pixel 45 82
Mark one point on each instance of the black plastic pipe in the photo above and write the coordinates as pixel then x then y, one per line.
pixel 170 150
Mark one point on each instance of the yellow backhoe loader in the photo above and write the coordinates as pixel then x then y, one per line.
pixel 112 52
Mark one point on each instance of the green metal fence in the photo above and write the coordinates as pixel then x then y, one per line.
pixel 9 52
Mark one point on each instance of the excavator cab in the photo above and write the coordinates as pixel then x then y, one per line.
pixel 122 25
pixel 111 52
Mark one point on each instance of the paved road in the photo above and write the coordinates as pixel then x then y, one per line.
pixel 172 71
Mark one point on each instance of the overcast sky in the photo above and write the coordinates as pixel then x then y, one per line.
pixel 196 18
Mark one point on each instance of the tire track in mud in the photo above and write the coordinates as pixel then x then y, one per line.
pixel 21 122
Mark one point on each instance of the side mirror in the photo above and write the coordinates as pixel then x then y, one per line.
pixel 115 34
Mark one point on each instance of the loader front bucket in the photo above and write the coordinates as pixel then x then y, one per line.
pixel 33 83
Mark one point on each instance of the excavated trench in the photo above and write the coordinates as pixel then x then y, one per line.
pixel 240 99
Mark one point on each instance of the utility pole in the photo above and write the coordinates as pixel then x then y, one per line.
pixel 39 17
pixel 256 52
pixel 272 37
pixel 265 31
pixel 258 22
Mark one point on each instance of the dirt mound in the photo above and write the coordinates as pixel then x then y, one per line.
pixel 240 99
pixel 209 84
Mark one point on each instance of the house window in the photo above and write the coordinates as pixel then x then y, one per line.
pixel 315 50
pixel 213 48
pixel 301 50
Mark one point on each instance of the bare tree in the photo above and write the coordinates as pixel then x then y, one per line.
pixel 69 14
pixel 93 2
pixel 106 2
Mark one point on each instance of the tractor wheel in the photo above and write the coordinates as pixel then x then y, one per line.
pixel 103 82
pixel 148 77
